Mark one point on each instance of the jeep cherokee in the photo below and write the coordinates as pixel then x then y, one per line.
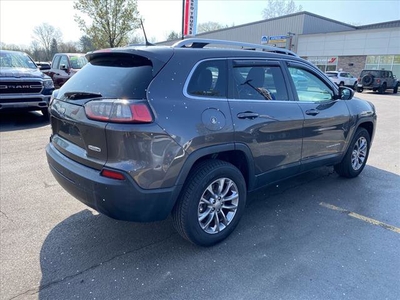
pixel 143 132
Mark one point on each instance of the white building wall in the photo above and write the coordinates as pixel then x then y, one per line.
pixel 360 42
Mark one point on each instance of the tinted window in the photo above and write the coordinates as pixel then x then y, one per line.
pixel 309 87
pixel 113 76
pixel 56 62
pixel 209 79
pixel 259 83
pixel 370 72
pixel 64 61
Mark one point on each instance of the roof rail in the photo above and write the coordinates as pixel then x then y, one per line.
pixel 201 43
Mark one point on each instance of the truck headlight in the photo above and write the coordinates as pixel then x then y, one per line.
pixel 48 84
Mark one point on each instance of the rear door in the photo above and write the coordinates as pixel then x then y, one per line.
pixel 326 119
pixel 265 117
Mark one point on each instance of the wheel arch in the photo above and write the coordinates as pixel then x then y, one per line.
pixel 369 126
pixel 238 155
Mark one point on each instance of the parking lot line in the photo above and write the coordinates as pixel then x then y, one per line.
pixel 360 217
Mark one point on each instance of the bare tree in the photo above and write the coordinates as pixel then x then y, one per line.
pixel 44 35
pixel 69 47
pixel 277 8
pixel 111 21
pixel 210 26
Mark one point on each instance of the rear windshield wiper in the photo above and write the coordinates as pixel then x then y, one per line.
pixel 81 95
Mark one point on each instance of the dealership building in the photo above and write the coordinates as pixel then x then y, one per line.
pixel 329 44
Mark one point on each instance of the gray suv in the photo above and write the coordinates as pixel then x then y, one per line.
pixel 144 132
pixel 377 80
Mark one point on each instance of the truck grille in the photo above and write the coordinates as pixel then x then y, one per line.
pixel 27 87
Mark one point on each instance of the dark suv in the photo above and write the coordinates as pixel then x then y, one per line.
pixel 141 132
pixel 377 80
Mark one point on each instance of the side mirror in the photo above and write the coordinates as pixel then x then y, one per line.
pixel 64 67
pixel 346 93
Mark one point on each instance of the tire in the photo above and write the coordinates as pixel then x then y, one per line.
pixel 367 80
pixel 45 113
pixel 382 88
pixel 197 214
pixel 341 83
pixel 356 156
pixel 396 88
pixel 360 90
pixel 355 86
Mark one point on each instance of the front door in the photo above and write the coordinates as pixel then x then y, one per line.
pixel 327 119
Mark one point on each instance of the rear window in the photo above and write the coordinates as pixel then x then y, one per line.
pixel 331 74
pixel 113 76
pixel 370 72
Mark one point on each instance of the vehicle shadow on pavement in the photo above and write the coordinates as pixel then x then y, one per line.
pixel 282 238
pixel 21 120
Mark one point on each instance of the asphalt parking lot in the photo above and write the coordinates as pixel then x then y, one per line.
pixel 316 236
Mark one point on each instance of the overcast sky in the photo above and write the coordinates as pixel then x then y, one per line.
pixel 19 17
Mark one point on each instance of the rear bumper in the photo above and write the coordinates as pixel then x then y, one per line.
pixel 118 199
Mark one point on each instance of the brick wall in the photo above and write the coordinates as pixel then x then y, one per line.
pixel 357 61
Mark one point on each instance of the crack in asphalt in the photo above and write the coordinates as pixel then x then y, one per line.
pixel 52 283
pixel 4 214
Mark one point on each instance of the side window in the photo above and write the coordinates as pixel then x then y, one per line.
pixel 56 62
pixel 259 83
pixel 309 87
pixel 64 61
pixel 209 79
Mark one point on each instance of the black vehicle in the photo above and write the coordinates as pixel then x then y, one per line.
pixel 377 80
pixel 22 85
pixel 142 132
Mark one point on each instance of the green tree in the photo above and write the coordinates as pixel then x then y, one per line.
pixel 53 47
pixel 173 35
pixel 44 35
pixel 111 21
pixel 86 44
pixel 277 8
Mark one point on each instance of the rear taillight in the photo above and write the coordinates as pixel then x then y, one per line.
pixel 118 111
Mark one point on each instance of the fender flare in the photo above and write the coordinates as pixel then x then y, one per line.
pixel 198 154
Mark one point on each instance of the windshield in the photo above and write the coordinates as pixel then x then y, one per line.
pixel 16 60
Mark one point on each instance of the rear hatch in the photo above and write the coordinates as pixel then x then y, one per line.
pixel 111 88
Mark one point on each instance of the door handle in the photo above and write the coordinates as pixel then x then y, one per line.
pixel 312 112
pixel 247 115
